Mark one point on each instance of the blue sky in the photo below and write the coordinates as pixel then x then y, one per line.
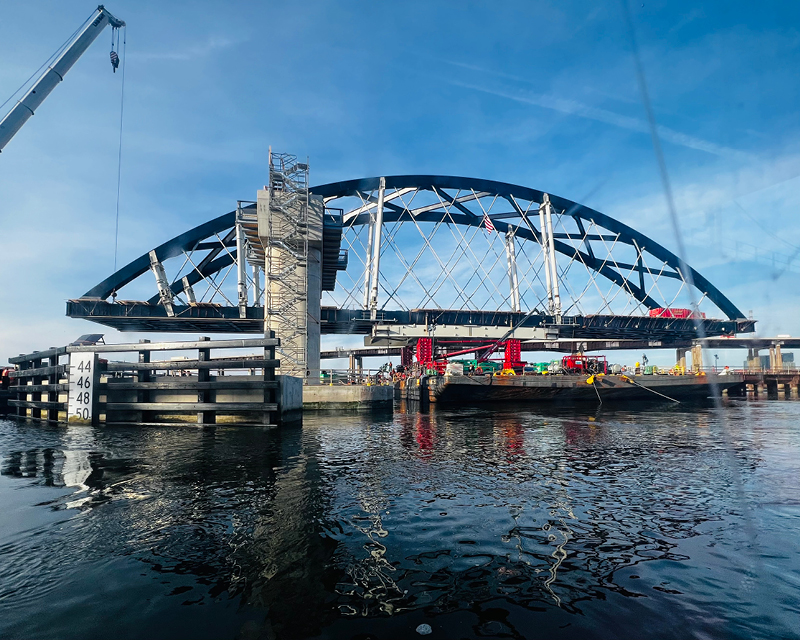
pixel 540 94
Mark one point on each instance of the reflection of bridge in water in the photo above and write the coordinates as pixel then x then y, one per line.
pixel 465 261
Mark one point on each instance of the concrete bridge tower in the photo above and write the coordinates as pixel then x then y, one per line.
pixel 290 223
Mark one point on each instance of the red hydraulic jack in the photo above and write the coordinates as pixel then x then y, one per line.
pixel 425 351
pixel 512 356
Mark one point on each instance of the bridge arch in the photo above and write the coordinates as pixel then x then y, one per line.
pixel 587 247
pixel 461 201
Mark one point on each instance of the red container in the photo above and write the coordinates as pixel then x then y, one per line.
pixel 681 314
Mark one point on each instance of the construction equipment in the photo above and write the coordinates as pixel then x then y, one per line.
pixel 582 364
pixel 27 105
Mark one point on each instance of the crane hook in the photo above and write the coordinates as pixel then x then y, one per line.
pixel 114 54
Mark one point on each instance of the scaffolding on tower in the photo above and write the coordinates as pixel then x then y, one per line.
pixel 284 214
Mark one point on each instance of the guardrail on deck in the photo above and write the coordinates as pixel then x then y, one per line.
pixel 74 384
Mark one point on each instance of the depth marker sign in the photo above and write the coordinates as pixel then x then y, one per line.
pixel 81 386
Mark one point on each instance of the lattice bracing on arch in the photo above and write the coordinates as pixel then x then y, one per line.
pixel 447 247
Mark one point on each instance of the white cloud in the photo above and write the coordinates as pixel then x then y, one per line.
pixel 212 45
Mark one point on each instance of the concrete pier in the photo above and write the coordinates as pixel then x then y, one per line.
pixel 349 396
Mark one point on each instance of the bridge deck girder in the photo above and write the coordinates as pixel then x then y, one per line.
pixel 141 316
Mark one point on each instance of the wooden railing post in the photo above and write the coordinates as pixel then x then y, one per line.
pixel 22 412
pixel 270 390
pixel 52 396
pixel 143 375
pixel 36 396
pixel 204 395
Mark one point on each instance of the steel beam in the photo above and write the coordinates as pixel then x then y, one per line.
pixel 164 290
pixel 553 266
pixel 376 251
pixel 368 263
pixel 241 266
pixel 513 280
pixel 546 250
pixel 188 291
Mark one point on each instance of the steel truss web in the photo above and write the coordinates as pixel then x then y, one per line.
pixel 458 243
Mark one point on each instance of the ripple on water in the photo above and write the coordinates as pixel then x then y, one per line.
pixel 487 522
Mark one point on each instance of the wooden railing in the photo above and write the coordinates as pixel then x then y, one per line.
pixel 74 384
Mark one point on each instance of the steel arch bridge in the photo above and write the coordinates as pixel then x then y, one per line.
pixel 404 252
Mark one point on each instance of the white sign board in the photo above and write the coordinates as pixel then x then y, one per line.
pixel 81 376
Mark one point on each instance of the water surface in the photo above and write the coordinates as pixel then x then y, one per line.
pixel 479 522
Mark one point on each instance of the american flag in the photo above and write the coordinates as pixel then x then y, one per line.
pixel 487 222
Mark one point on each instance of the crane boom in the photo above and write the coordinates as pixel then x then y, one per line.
pixel 54 74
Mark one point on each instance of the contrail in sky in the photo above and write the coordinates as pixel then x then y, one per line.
pixel 573 107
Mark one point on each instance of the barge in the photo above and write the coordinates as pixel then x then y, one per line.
pixel 468 390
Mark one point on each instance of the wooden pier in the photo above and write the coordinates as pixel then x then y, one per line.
pixel 772 383
pixel 75 384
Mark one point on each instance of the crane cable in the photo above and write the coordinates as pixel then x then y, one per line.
pixel 119 156
pixel 592 380
pixel 641 386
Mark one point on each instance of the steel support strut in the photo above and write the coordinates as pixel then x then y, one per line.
pixel 164 290
pixel 552 256
pixel 256 285
pixel 241 264
pixel 368 263
pixel 546 252
pixel 513 281
pixel 376 251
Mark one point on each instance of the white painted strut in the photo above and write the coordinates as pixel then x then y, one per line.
pixel 368 264
pixel 553 266
pixel 188 291
pixel 513 281
pixel 164 290
pixel 376 251
pixel 257 286
pixel 546 253
pixel 241 265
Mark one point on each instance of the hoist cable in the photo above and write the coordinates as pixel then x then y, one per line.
pixel 641 386
pixel 119 156
pixel 594 384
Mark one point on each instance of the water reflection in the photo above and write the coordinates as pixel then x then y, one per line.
pixel 348 517
pixel 520 485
